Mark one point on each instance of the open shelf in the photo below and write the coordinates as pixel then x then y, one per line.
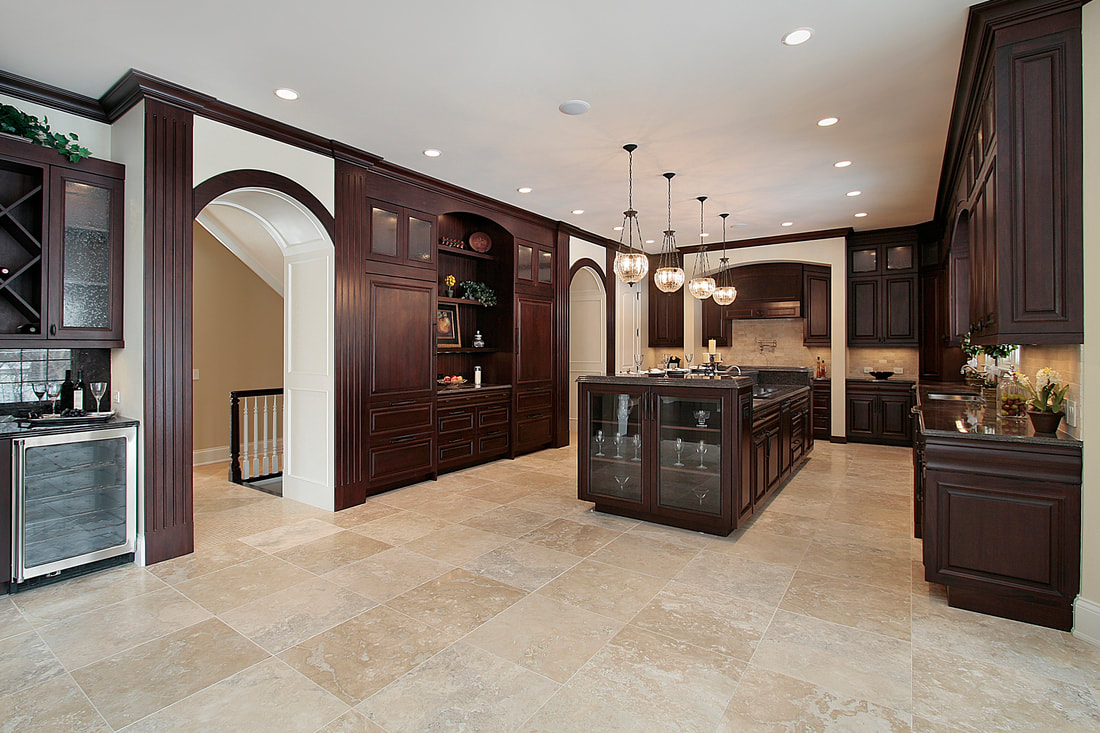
pixel 457 301
pixel 465 253
pixel 483 350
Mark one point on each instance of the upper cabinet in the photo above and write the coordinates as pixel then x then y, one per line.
pixel 882 287
pixel 61 249
pixel 401 236
pixel 666 314
pixel 534 266
pixel 1012 176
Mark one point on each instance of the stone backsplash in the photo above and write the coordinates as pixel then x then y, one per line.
pixel 1066 359
pixel 883 358
pixel 21 369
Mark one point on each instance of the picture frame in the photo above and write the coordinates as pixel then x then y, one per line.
pixel 447 333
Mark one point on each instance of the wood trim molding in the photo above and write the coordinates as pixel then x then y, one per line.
pixel 583 263
pixel 51 96
pixel 562 279
pixel 777 239
pixel 609 288
pixel 223 183
pixel 169 277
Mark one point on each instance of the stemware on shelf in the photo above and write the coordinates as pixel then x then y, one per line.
pixel 621 481
pixel 702 452
pixel 638 360
pixel 618 445
pixel 679 452
pixel 687 360
pixel 637 440
pixel 53 391
pixel 701 416
pixel 599 440
pixel 700 492
pixel 39 389
pixel 99 389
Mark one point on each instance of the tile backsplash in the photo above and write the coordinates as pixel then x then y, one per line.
pixel 883 358
pixel 1066 359
pixel 746 349
pixel 21 369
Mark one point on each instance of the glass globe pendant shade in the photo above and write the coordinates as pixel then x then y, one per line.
pixel 630 266
pixel 702 287
pixel 724 295
pixel 669 279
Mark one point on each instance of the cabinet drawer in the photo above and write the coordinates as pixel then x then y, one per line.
pixel 397 456
pixel 457 451
pixel 534 400
pixel 493 415
pixel 489 445
pixel 408 416
pixel 453 421
pixel 533 432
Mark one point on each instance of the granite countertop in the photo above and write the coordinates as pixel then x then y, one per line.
pixel 971 421
pixel 443 390
pixel 891 380
pixel 13 428
pixel 722 381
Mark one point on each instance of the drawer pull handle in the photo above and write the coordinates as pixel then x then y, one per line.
pixel 495 432
pixel 403 402
pixel 535 417
pixel 458 412
pixel 405 439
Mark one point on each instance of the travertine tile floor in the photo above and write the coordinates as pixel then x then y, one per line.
pixel 493 600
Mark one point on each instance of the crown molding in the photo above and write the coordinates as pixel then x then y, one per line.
pixel 761 241
pixel 51 96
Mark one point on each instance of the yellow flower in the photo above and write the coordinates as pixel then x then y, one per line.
pixel 449 281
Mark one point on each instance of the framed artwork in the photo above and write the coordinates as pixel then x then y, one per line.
pixel 446 326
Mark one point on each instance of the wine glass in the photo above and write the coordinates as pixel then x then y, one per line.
pixel 98 390
pixel 39 390
pixel 599 444
pixel 53 391
pixel 679 452
pixel 687 360
pixel 621 481
pixel 700 492
pixel 638 360
pixel 637 440
pixel 664 359
pixel 618 445
pixel 702 452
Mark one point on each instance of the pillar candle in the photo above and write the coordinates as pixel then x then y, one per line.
pixel 710 347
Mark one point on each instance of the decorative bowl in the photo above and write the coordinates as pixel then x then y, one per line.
pixel 881 375
pixel 452 382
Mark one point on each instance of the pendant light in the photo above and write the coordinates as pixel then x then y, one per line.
pixel 702 285
pixel 725 293
pixel 669 276
pixel 630 265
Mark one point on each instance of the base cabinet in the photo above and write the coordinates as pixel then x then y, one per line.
pixel 822 395
pixel 473 427
pixel 879 412
pixel 779 440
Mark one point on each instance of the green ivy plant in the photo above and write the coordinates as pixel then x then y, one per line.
pixel 480 292
pixel 17 122
pixel 997 351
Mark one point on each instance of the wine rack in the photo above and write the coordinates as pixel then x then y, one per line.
pixel 22 236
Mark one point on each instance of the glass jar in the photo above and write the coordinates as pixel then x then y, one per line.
pixel 1011 397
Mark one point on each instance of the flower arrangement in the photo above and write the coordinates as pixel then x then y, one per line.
pixel 997 351
pixel 449 281
pixel 1048 393
pixel 480 292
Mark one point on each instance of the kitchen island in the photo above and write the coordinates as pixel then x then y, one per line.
pixel 698 452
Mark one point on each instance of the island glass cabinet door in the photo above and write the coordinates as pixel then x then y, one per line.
pixel 690 460
pixel 613 453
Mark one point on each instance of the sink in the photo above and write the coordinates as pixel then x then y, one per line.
pixel 955 396
pixel 760 392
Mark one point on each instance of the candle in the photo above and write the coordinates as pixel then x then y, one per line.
pixel 710 347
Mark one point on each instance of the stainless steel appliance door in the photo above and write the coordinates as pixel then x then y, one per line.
pixel 75 499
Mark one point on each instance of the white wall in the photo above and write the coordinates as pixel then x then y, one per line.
pixel 96 136
pixel 581 248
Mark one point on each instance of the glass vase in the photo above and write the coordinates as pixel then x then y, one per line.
pixel 1011 398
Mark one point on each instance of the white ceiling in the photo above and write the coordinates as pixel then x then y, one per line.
pixel 705 89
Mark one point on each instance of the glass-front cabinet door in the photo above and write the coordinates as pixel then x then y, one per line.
pixel 616 443
pixel 689 470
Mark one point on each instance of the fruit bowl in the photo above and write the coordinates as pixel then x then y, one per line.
pixel 451 381
pixel 881 375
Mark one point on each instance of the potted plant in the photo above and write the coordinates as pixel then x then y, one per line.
pixel 480 292
pixel 19 124
pixel 1048 396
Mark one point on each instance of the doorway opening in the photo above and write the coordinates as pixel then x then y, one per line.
pixel 587 331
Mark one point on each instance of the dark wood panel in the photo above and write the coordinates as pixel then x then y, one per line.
pixel 863 315
pixel 534 339
pixel 900 315
pixel 456 421
pixel 817 306
pixel 460 451
pixel 168 288
pixel 768 281
pixel 393 459
pixel 666 314
pixel 715 325
pixel 974 518
pixel 401 415
pixel 896 421
pixel 861 416
pixel 401 352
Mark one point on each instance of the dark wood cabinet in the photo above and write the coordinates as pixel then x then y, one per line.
pixel 534 400
pixel 666 315
pixel 772 290
pixel 816 306
pixel 822 395
pixel 401 343
pixel 61 239
pixel 879 412
pixel 401 236
pixel 882 287
pixel 534 266
pixel 779 442
pixel 473 426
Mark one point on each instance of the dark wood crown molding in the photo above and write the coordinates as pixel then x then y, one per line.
pixel 51 96
pixel 761 241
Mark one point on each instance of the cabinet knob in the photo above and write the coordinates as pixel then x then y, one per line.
pixel 53 329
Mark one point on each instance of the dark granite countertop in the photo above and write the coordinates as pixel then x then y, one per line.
pixel 722 381
pixel 872 380
pixel 13 428
pixel 463 389
pixel 973 421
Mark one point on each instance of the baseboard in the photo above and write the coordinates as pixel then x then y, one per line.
pixel 1086 620
pixel 837 439
pixel 206 456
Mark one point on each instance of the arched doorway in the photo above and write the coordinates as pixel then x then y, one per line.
pixel 284 234
pixel 587 329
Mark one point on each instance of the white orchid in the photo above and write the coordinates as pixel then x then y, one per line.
pixel 1047 393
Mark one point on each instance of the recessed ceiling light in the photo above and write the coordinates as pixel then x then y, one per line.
pixel 433 153
pixel 787 224
pixel 704 234
pixel 574 107
pixel 861 214
pixel 649 241
pixel 853 193
pixel 827 122
pixel 578 211
pixel 524 189
pixel 842 164
pixel 798 36
pixel 288 94
pixel 740 225
pixel 618 229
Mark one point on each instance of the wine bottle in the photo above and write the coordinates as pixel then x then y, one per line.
pixel 67 390
pixel 80 389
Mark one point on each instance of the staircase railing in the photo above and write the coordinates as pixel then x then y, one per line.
pixel 255 446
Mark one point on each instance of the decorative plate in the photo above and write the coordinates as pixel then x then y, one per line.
pixel 480 242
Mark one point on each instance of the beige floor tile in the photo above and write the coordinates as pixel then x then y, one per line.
pixel 762 546
pixel 971 695
pixel 83 639
pixel 290 535
pixel 576 538
pixel 574 709
pixel 291 616
pixel 604 589
pixel 25 661
pixel 389 573
pixel 706 619
pixel 457 543
pixel 672 535
pixel 879 567
pixel 410 497
pixel 267 697
pixel 460 483
pixel 923 725
pixel 456 602
pixel 522 565
pixel 461 688
pixel 499 493
pixel 849 603
pixel 11 620
pixel 333 551
pixel 810 508
pixel 397 529
pixel 661 679
pixel 60 601
pixel 846 661
pixel 361 514
pixel 652 557
pixel 895 539
pixel 545 636
pixel 736 576
pixel 554 504
pixel 133 684
pixel 235 586
pixel 766 701
pixel 55 706
pixel 509 521
pixel 871 516
pixel 204 560
pixel 351 722
pixel 776 521
pixel 456 507
pixel 604 520
pixel 364 654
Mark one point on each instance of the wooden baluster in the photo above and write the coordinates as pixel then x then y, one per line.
pixel 276 417
pixel 256 435
pixel 246 462
pixel 234 439
pixel 265 464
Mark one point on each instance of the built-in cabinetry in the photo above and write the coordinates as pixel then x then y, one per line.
pixel 666 314
pixel 534 373
pixel 816 305
pixel 879 411
pixel 821 409
pixel 474 426
pixel 781 437
pixel 882 287
pixel 773 290
pixel 61 249
pixel 401 236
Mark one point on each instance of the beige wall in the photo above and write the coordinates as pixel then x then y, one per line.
pixel 883 358
pixel 238 337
